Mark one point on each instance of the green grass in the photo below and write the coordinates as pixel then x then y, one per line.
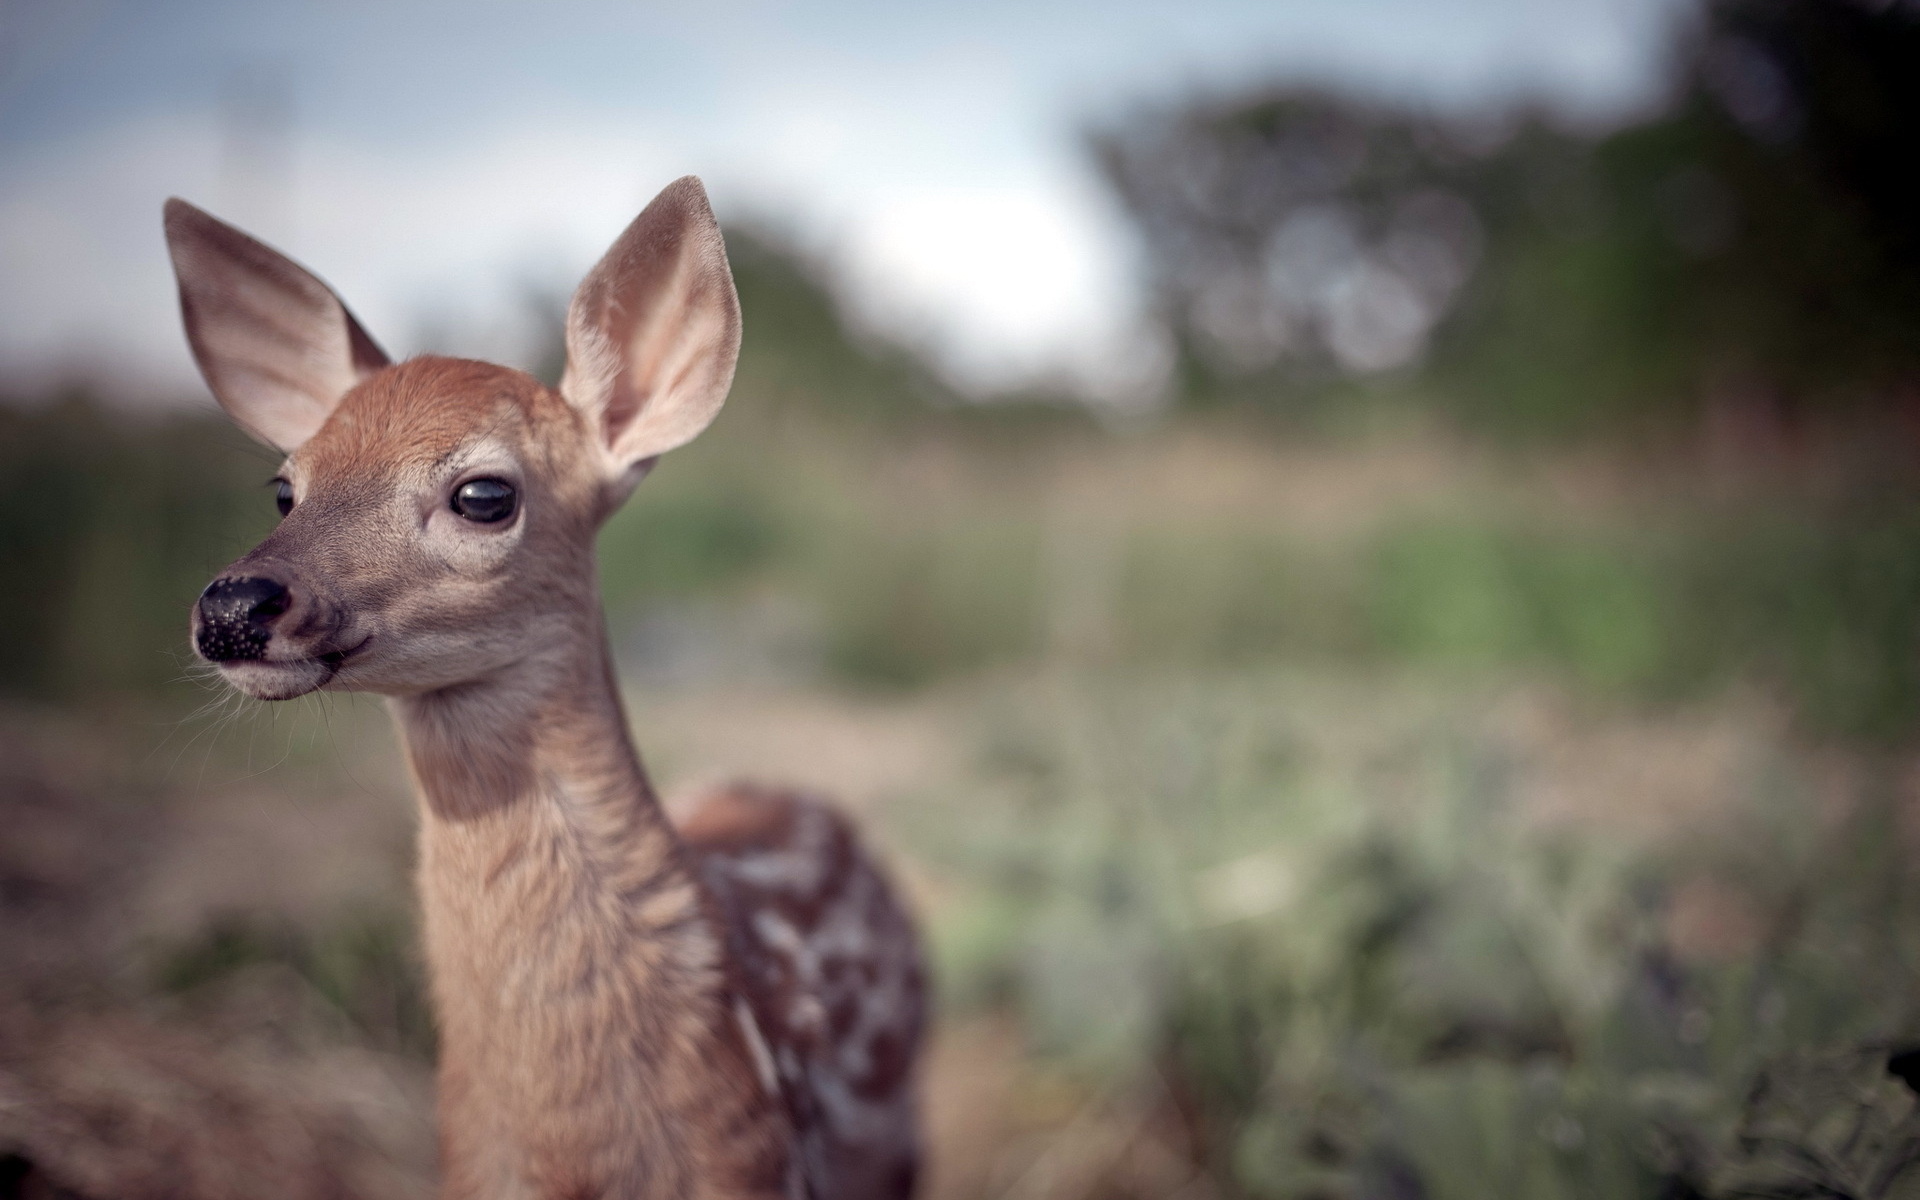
pixel 1336 936
pixel 934 551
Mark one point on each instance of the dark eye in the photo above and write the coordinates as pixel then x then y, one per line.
pixel 283 496
pixel 484 500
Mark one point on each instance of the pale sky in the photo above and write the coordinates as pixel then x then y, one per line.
pixel 431 159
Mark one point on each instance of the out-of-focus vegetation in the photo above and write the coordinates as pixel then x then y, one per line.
pixel 1463 746
pixel 110 524
pixel 1333 939
pixel 1726 291
pixel 1747 250
pixel 899 552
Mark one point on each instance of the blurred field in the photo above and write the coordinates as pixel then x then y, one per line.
pixel 1489 773
pixel 1288 817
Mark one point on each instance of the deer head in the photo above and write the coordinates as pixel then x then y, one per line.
pixel 438 514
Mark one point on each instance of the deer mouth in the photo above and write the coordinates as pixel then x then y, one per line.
pixel 287 678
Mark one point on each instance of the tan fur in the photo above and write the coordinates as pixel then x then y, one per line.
pixel 587 1046
pixel 614 1020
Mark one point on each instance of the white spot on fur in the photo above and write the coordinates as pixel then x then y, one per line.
pixel 762 1058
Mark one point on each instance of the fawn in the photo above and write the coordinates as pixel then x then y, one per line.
pixel 732 1008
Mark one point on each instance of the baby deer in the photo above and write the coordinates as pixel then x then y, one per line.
pixel 730 1009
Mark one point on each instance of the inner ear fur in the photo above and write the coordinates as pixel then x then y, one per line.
pixel 276 346
pixel 653 332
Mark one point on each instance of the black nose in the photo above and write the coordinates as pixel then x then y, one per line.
pixel 237 615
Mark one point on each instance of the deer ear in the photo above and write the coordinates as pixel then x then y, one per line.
pixel 277 347
pixel 653 332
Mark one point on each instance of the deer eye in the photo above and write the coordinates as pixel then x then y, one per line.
pixel 283 496
pixel 484 500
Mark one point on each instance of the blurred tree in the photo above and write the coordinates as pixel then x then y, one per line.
pixel 1747 252
pixel 1295 229
pixel 1808 186
pixel 799 347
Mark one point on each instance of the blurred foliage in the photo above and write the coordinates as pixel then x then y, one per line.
pixel 1817 601
pixel 1740 257
pixel 1746 251
pixel 365 969
pixel 803 354
pixel 927 549
pixel 1365 976
pixel 1352 965
pixel 111 527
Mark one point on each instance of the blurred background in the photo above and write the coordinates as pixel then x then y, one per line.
pixel 1361 561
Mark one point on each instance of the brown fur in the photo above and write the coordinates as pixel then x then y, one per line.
pixel 828 961
pixel 622 1013
pixel 587 1043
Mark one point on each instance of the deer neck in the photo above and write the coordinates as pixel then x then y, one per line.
pixel 539 758
pixel 577 975
pixel 549 729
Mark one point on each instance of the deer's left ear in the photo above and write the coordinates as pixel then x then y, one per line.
pixel 653 332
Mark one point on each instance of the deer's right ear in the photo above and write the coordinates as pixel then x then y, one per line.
pixel 275 344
